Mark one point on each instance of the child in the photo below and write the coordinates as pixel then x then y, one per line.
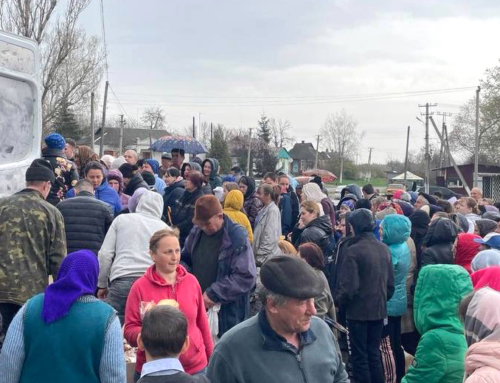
pixel 164 338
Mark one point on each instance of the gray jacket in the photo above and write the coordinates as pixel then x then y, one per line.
pixel 267 233
pixel 252 352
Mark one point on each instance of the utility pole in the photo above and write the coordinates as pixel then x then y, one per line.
pixel 369 164
pixel 476 146
pixel 249 165
pixel 92 117
pixel 427 154
pixel 121 133
pixel 194 128
pixel 406 155
pixel 317 154
pixel 101 149
pixel 442 151
pixel 211 134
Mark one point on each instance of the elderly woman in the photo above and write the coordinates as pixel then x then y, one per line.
pixel 65 334
pixel 168 280
pixel 115 181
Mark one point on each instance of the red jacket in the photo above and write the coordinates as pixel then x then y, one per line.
pixel 466 250
pixel 187 292
pixel 489 276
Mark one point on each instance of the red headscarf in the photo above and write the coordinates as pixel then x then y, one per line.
pixel 394 205
pixel 489 276
pixel 466 250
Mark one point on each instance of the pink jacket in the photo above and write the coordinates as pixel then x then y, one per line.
pixel 482 363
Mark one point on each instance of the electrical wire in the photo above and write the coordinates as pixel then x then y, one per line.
pixel 104 40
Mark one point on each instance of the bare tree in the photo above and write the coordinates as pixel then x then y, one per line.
pixel 72 62
pixel 154 118
pixel 280 133
pixel 339 135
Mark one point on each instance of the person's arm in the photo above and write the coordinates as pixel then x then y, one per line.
pixel 240 279
pixel 186 259
pixel 220 370
pixel 58 249
pixel 390 281
pixel 253 211
pixel 429 364
pixel 112 368
pixel 133 321
pixel 426 258
pixel 202 322
pixel 106 255
pixel 13 354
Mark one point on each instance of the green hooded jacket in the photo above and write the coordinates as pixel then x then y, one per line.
pixel 441 351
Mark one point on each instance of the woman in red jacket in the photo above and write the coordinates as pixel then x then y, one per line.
pixel 167 279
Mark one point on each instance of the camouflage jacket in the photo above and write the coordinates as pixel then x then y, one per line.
pixel 32 245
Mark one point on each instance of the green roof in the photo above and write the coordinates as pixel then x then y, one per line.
pixel 283 153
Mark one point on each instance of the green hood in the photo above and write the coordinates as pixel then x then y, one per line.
pixel 440 288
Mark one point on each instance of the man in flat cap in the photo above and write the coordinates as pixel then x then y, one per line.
pixel 32 241
pixel 285 342
pixel 166 162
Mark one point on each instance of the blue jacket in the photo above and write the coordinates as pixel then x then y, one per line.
pixel 285 206
pixel 105 193
pixel 236 273
pixel 395 232
pixel 160 185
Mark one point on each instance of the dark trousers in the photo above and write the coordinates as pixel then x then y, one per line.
pixel 118 294
pixel 7 312
pixel 364 339
pixel 394 329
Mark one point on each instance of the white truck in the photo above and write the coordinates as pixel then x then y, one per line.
pixel 20 110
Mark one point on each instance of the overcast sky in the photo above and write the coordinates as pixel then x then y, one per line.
pixel 298 60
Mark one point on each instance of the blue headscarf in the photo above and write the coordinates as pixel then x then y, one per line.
pixel 154 165
pixel 485 259
pixel 77 277
pixel 55 141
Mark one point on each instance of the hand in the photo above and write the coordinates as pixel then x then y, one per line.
pixel 289 237
pixel 301 224
pixel 102 293
pixel 208 302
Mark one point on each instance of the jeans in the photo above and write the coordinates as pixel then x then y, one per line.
pixel 118 294
pixel 7 313
pixel 394 328
pixel 364 338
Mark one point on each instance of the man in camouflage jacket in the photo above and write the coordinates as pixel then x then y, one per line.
pixel 32 242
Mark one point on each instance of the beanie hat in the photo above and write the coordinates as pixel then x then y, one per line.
pixel 206 207
pixel 397 194
pixel 107 160
pixel 55 141
pixel 40 170
pixel 349 203
pixel 154 165
pixel 127 170
pixel 405 197
pixel 149 178
pixel 291 277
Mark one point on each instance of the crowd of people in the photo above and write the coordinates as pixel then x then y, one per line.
pixel 377 289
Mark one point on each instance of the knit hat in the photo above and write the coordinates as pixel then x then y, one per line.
pixel 206 207
pixel 149 178
pixel 349 203
pixel 166 156
pixel 291 277
pixel 127 170
pixel 118 162
pixel 55 141
pixel 115 175
pixel 154 165
pixel 40 170
pixel 107 160
pixel 397 194
pixel 405 197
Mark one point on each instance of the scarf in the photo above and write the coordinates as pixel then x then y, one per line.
pixel 77 277
pixel 482 321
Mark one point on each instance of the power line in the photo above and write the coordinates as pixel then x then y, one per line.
pixel 119 103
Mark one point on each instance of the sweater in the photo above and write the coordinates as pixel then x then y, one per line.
pixel 187 292
pixel 14 354
pixel 125 250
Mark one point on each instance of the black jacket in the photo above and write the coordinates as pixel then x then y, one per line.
pixel 172 194
pixel 295 205
pixel 136 182
pixel 367 279
pixel 183 217
pixel 438 243
pixel 86 222
pixel 317 231
pixel 65 172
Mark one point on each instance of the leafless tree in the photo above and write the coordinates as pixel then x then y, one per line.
pixel 154 118
pixel 72 62
pixel 339 135
pixel 280 133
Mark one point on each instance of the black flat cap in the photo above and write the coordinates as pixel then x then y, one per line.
pixel 292 277
pixel 432 200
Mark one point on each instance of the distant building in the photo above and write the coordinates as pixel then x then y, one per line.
pixel 284 161
pixel 304 157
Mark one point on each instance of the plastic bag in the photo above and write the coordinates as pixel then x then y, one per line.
pixel 213 321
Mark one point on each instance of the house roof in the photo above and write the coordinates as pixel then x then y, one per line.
pixel 130 136
pixel 283 153
pixel 303 151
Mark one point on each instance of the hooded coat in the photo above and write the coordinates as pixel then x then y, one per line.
pixel 419 227
pixel 367 279
pixel 186 291
pixel 136 182
pixel 233 204
pixel 184 213
pixel 213 179
pixel 438 242
pixel 396 231
pixel 485 226
pixel 466 249
pixel 252 204
pixel 352 189
pixel 441 350
pixel 172 194
pixel 192 165
pixel 318 231
pixel 487 277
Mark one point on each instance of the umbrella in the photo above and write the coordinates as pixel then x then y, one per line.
pixel 303 180
pixel 189 144
pixel 325 175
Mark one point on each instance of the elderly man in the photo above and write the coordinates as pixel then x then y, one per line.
pixel 131 156
pixel 220 256
pixel 285 342
pixel 476 193
pixel 424 199
pixel 166 162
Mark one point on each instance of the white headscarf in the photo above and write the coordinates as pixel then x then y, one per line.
pixel 312 192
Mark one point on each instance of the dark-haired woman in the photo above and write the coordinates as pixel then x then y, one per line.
pixel 173 192
pixel 132 179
